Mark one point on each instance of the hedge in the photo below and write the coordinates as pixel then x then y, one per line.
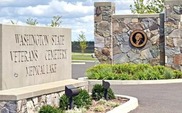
pixel 129 71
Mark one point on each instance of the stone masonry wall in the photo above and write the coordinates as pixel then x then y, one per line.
pixel 32 105
pixel 122 28
pixel 173 32
pixel 112 34
pixel 103 39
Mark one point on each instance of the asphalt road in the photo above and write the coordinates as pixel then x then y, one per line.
pixel 78 70
pixel 163 98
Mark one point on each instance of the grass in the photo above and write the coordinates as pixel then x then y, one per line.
pixel 82 56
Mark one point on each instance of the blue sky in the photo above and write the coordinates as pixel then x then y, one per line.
pixel 76 14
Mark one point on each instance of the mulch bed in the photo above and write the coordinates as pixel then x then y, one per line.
pixel 103 106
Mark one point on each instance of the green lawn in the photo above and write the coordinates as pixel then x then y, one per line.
pixel 84 56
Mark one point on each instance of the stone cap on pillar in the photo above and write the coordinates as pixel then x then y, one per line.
pixel 104 4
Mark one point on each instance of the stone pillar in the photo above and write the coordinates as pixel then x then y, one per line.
pixel 173 32
pixel 102 24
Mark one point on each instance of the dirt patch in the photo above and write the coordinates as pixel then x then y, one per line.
pixel 103 106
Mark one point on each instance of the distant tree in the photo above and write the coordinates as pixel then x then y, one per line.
pixel 56 21
pixel 83 42
pixel 13 22
pixel 31 21
pixel 147 6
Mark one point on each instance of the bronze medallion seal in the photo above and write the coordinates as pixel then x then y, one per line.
pixel 138 38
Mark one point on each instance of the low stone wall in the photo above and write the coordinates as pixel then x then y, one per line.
pixel 30 105
pixel 23 100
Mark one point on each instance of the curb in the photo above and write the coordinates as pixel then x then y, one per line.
pixel 83 60
pixel 131 82
pixel 126 107
pixel 133 102
pixel 79 63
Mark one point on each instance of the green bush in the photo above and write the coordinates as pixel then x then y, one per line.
pixel 140 75
pixel 98 92
pixel 49 109
pixel 63 102
pixel 100 72
pixel 168 74
pixel 129 71
pixel 83 99
pixel 111 94
pixel 177 74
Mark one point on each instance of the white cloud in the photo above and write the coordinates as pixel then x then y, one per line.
pixel 56 7
pixel 22 3
pixel 5 1
pixel 36 11
pixel 70 8
pixel 76 14
pixel 8 21
pixel 123 12
pixel 86 19
pixel 77 31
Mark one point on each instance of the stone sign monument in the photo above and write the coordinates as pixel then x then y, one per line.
pixel 139 38
pixel 33 55
pixel 133 38
pixel 35 67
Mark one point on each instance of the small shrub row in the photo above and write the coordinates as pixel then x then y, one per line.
pixel 82 101
pixel 130 71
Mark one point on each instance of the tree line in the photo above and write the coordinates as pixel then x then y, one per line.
pixel 77 48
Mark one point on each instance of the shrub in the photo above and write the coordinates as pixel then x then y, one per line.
pixel 98 92
pixel 112 104
pixel 76 110
pixel 140 76
pixel 63 103
pixel 177 74
pixel 123 76
pixel 99 71
pixel 111 94
pixel 153 75
pixel 99 108
pixel 49 109
pixel 83 99
pixel 129 71
pixel 168 74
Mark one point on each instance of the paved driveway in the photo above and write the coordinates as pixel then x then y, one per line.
pixel 79 69
pixel 164 98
